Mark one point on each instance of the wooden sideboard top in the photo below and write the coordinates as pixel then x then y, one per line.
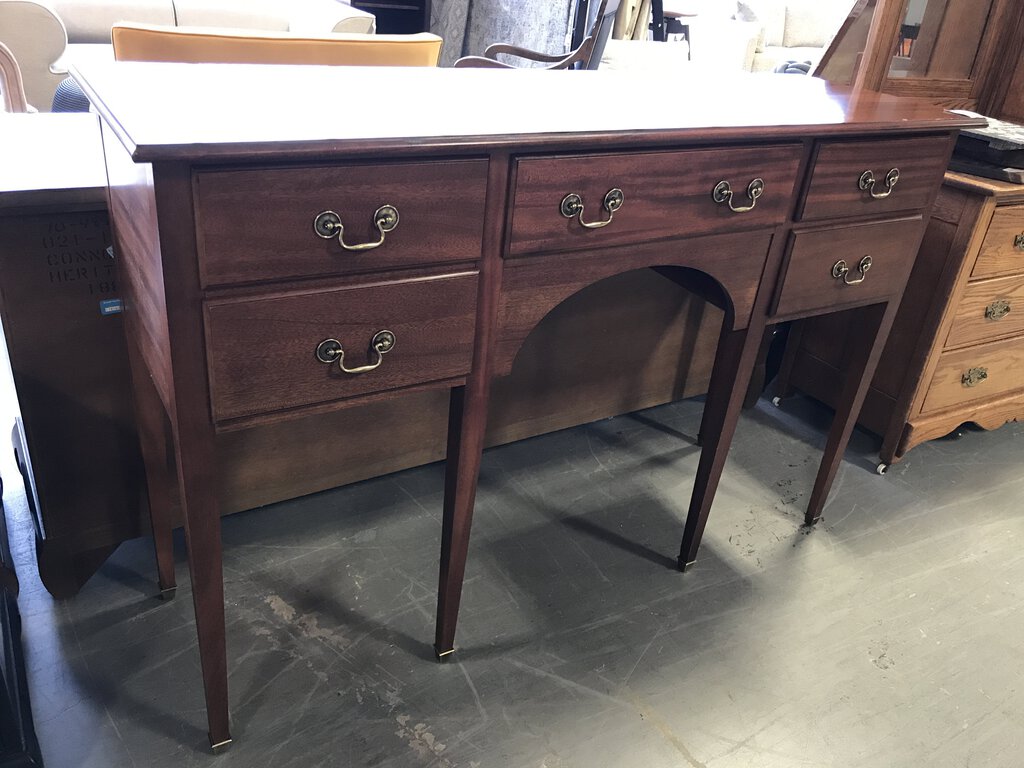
pixel 48 158
pixel 1004 190
pixel 211 112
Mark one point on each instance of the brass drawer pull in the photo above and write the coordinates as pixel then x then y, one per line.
pixel 867 183
pixel 841 270
pixel 1018 242
pixel 723 194
pixel 329 350
pixel 572 206
pixel 997 310
pixel 328 224
pixel 974 376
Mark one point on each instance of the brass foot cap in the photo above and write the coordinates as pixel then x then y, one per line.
pixel 443 656
pixel 220 747
pixel 168 594
pixel 685 566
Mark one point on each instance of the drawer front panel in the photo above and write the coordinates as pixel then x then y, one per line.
pixel 256 225
pixel 835 187
pixel 665 194
pixel 809 282
pixel 261 351
pixel 989 309
pixel 976 373
pixel 1002 252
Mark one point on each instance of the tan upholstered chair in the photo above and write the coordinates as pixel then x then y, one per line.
pixel 11 87
pixel 143 42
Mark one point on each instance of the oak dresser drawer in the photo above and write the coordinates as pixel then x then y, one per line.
pixel 976 373
pixel 262 351
pixel 664 194
pixel 1002 251
pixel 878 258
pixel 840 185
pixel 989 309
pixel 257 225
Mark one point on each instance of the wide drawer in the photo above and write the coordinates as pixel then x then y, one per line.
pixel 989 309
pixel 836 189
pixel 256 225
pixel 1002 251
pixel 976 373
pixel 262 352
pixel 664 194
pixel 814 278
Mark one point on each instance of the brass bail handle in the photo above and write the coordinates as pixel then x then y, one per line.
pixel 328 224
pixel 867 183
pixel 1018 241
pixel 723 193
pixel 572 207
pixel 841 270
pixel 330 350
pixel 997 310
pixel 972 377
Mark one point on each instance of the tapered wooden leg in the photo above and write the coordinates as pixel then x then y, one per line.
pixel 157 457
pixel 467 421
pixel 863 352
pixel 734 361
pixel 197 484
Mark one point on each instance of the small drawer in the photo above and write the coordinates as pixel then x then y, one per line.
pixel 1002 252
pixel 989 309
pixel 256 225
pixel 976 373
pixel 664 194
pixel 836 188
pixel 814 278
pixel 262 352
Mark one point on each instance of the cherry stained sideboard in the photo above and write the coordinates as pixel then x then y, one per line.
pixel 303 253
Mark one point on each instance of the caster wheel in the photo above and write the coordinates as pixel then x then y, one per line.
pixel 882 468
pixel 776 401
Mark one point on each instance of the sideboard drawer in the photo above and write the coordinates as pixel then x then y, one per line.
pixel 976 373
pixel 989 309
pixel 812 279
pixel 256 225
pixel 1002 251
pixel 836 189
pixel 262 351
pixel 664 194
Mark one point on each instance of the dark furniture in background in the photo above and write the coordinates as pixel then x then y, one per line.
pixel 397 17
pixel 18 745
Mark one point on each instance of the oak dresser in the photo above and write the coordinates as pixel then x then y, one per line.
pixel 307 253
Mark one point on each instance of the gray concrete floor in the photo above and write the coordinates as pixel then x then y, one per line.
pixel 887 636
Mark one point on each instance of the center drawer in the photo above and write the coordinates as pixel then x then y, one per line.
pixel 663 194
pixel 257 225
pixel 262 351
pixel 814 280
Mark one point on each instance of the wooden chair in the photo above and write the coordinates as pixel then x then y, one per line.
pixel 196 45
pixel 593 25
pixel 11 85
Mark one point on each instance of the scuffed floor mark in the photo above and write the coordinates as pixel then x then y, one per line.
pixel 666 731
pixel 422 741
pixel 307 624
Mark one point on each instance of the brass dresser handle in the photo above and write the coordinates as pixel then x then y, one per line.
pixel 867 183
pixel 841 270
pixel 997 310
pixel 1018 242
pixel 722 193
pixel 572 207
pixel 328 224
pixel 329 350
pixel 974 376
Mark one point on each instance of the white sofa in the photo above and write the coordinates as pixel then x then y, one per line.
pixel 792 30
pixel 39 31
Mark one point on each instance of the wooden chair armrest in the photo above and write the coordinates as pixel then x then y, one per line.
pixel 525 53
pixel 480 61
